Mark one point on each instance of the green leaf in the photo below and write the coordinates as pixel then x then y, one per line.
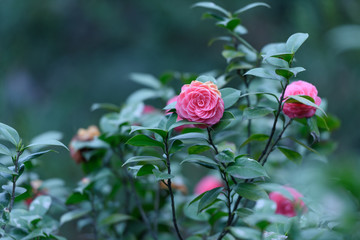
pixel 105 106
pixel 224 121
pixel 239 66
pixel 263 73
pixel 24 159
pixel 69 216
pixel 48 142
pixel 40 205
pixel 159 131
pixel 201 160
pixel 291 154
pixel 256 112
pixel 145 170
pixel 250 191
pixel 229 55
pixel 5 169
pixel 313 127
pixel 146 79
pixel 170 106
pixel 225 156
pixel 10 134
pixel 161 175
pixel 183 123
pixel 255 137
pixel 212 6
pixel 245 233
pixel 295 41
pixel 289 72
pixel 209 198
pixel 143 160
pixel 4 150
pixel 18 190
pixel 288 57
pixel 222 38
pixel 196 149
pixel 192 136
pixel 304 145
pixel 261 93
pixel 34 234
pixel 230 96
pixel 250 6
pixel 304 100
pixel 77 197
pixel 144 141
pixel 176 146
pixel 246 168
pixel 115 218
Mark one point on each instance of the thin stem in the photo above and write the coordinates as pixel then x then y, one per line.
pixel 170 189
pixel 136 196
pixel 274 124
pixel 93 215
pixel 14 179
pixel 276 142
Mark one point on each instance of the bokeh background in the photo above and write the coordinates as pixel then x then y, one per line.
pixel 58 57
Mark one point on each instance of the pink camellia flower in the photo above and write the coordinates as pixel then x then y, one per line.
pixel 299 110
pixel 200 102
pixel 148 109
pixel 207 183
pixel 285 206
pixel 180 128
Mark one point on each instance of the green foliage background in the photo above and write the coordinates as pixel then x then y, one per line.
pixel 58 57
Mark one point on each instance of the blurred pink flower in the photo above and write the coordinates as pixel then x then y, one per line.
pixel 207 183
pixel 285 206
pixel 148 109
pixel 200 102
pixel 180 128
pixel 299 110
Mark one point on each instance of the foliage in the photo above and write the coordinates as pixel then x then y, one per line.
pixel 135 184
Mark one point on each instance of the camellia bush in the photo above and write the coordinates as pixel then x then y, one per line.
pixel 205 165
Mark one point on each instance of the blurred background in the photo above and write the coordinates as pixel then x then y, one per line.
pixel 59 57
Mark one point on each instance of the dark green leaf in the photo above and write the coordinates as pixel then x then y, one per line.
pixel 201 160
pixel 313 127
pixel 225 156
pixel 295 41
pixel 196 149
pixel 144 141
pixel 159 131
pixel 288 57
pixel 69 216
pixel 176 146
pixel 256 112
pixel 291 154
pixel 212 6
pixel 142 160
pixel 255 137
pixel 170 121
pixel 250 6
pixel 145 170
pixel 289 72
pixel 170 106
pixel 209 198
pixel 10 134
pixel 183 123
pixel 206 78
pixel 238 66
pixel 246 168
pixel 304 145
pixel 146 79
pixel 161 175
pixel 115 218
pixel 230 96
pixel 250 191
pixel 77 197
pixel 224 121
